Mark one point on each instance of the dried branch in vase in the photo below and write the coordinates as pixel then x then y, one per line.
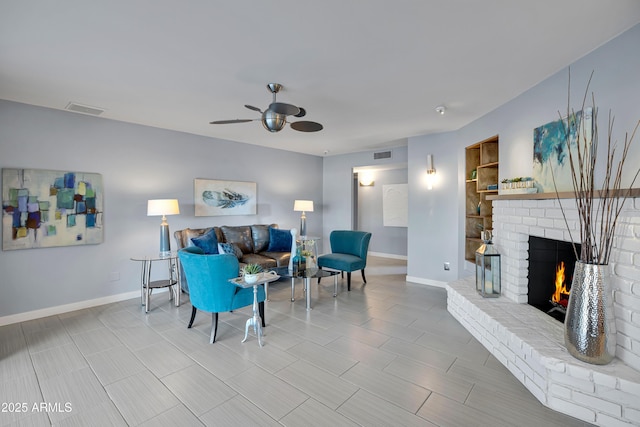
pixel 598 211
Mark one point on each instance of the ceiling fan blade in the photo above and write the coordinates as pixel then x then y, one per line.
pixel 226 122
pixel 302 112
pixel 282 108
pixel 251 107
pixel 305 126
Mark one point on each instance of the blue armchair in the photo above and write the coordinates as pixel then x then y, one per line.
pixel 348 253
pixel 209 286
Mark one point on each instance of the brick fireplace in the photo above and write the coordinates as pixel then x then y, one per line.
pixel 531 344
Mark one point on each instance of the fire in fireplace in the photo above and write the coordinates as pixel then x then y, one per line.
pixel 551 264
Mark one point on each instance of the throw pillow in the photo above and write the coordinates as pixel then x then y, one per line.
pixel 230 248
pixel 279 240
pixel 208 242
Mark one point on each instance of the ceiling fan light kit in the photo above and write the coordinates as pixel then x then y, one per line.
pixel 274 118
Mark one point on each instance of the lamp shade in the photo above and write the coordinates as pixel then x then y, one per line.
pixel 303 206
pixel 163 207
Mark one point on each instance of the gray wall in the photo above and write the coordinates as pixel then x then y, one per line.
pixel 436 218
pixel 337 189
pixel 137 163
pixel 384 240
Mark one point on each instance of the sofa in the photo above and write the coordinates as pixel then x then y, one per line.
pixel 263 244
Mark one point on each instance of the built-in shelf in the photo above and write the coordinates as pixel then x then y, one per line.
pixel 482 158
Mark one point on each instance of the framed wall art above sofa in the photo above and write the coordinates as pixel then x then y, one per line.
pixel 216 197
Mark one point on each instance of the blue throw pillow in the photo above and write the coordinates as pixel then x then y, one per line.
pixel 208 242
pixel 230 248
pixel 279 240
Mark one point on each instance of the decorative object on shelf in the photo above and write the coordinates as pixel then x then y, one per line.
pixel 251 272
pixel 474 174
pixel 431 172
pixel 519 185
pixel 163 207
pixel 487 268
pixel 47 208
pixel 303 206
pixel 492 187
pixel 215 197
pixel 479 207
pixel 589 328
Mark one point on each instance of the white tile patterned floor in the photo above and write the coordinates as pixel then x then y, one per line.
pixel 387 353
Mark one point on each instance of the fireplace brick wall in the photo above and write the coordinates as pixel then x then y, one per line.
pixel 531 344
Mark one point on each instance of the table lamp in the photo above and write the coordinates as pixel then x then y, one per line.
pixel 303 206
pixel 163 207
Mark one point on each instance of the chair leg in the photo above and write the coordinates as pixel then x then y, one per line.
pixel 214 327
pixel 319 277
pixel 363 278
pixel 193 316
pixel 261 311
pixel 349 281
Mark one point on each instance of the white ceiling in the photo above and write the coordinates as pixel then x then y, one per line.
pixel 371 71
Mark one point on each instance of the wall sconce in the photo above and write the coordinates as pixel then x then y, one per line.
pixel 431 172
pixel 163 207
pixel 365 179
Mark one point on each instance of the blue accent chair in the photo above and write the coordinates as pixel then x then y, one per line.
pixel 348 253
pixel 209 286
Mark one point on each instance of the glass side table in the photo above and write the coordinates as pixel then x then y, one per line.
pixel 172 282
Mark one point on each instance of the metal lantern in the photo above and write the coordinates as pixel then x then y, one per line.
pixel 487 268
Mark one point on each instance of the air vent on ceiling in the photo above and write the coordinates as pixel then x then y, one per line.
pixel 382 155
pixel 84 109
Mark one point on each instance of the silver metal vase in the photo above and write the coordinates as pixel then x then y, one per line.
pixel 589 326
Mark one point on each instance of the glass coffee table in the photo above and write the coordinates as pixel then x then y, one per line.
pixel 306 275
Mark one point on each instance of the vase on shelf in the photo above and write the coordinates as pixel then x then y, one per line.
pixel 589 326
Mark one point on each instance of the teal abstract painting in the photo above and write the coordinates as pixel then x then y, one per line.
pixel 47 208
pixel 551 159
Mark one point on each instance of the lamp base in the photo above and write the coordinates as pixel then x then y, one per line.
pixel 165 243
pixel 303 225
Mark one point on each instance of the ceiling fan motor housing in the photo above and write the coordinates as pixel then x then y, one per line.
pixel 272 121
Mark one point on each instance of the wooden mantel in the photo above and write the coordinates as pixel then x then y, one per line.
pixel 633 193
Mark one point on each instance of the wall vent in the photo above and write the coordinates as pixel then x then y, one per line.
pixel 382 155
pixel 84 109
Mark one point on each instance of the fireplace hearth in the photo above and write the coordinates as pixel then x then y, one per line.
pixel 551 264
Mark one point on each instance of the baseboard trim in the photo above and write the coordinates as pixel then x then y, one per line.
pixel 52 311
pixel 429 282
pixel 383 255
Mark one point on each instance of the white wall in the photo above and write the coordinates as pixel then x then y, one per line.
pixel 137 163
pixel 436 218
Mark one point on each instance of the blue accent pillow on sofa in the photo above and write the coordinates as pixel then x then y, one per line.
pixel 208 242
pixel 230 248
pixel 279 240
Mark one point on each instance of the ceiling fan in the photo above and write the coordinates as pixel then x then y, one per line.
pixel 275 116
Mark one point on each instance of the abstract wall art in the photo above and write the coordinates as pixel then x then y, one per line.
pixel 550 152
pixel 214 197
pixel 47 208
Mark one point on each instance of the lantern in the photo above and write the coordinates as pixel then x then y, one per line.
pixel 487 268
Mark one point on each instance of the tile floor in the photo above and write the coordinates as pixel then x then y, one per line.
pixel 384 354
